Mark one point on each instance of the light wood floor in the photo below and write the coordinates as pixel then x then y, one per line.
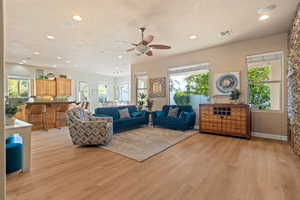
pixel 203 167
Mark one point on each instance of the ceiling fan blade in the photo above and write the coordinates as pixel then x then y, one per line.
pixel 132 49
pixel 149 53
pixel 159 46
pixel 148 39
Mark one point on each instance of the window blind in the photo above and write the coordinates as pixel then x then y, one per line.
pixel 184 69
pixel 264 57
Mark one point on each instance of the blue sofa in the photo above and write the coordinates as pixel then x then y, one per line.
pixel 14 150
pixel 185 118
pixel 137 118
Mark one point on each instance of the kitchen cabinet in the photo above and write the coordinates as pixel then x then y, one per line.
pixel 41 87
pixel 63 87
pixel 57 87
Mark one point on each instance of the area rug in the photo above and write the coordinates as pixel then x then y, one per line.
pixel 140 144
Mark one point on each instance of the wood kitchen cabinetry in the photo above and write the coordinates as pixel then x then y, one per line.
pixel 41 87
pixel 63 87
pixel 58 87
pixel 225 119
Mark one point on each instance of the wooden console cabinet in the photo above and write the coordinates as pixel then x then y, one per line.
pixel 225 119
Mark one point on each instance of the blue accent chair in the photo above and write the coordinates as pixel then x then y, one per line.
pixel 136 119
pixel 14 153
pixel 185 119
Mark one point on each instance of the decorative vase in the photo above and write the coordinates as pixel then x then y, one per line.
pixel 9 120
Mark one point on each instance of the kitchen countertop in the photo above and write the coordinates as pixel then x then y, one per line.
pixel 50 102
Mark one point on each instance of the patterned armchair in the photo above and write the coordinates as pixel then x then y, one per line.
pixel 88 130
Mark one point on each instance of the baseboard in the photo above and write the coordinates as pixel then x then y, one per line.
pixel 269 136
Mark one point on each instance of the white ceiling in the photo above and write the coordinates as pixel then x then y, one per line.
pixel 94 44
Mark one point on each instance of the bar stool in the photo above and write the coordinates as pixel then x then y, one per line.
pixel 60 114
pixel 37 114
pixel 85 105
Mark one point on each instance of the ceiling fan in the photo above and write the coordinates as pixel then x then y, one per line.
pixel 144 46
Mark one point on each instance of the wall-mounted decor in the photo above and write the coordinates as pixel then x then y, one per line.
pixel 157 87
pixel 224 83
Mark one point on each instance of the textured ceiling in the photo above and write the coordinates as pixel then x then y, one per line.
pixel 95 43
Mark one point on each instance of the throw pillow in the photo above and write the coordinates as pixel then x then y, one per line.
pixel 124 113
pixel 173 112
pixel 137 114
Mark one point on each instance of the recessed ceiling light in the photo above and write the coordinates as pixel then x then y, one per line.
pixel 77 18
pixel 36 53
pixel 67 61
pixel 50 37
pixel 120 56
pixel 59 58
pixel 54 66
pixel 264 17
pixel 192 37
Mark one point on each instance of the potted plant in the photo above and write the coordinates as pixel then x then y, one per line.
pixel 43 77
pixel 141 101
pixel 150 103
pixel 62 76
pixel 235 95
pixel 10 111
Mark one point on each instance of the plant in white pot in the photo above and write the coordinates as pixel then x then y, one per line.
pixel 10 111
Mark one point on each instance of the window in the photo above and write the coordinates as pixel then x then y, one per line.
pixel 83 91
pixel 142 85
pixel 18 88
pixel 189 85
pixel 265 81
pixel 124 92
pixel 102 93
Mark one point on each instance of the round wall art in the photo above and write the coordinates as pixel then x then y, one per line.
pixel 225 83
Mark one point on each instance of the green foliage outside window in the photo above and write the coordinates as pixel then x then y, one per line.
pixel 197 84
pixel 182 98
pixel 259 92
pixel 18 88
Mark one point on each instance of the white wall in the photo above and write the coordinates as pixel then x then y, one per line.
pixel 92 79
